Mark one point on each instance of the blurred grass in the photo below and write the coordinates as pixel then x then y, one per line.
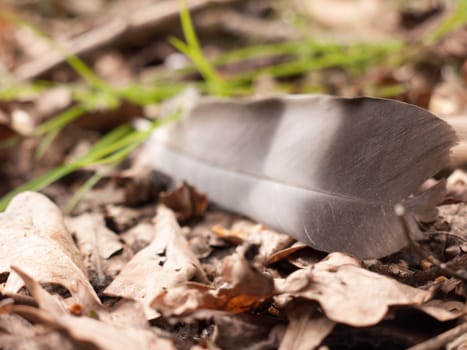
pixel 456 20
pixel 285 59
pixel 111 149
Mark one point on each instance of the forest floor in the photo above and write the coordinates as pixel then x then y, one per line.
pixel 116 259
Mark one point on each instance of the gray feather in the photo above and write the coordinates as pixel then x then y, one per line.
pixel 324 169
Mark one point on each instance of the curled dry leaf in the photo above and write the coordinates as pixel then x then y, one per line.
pixel 242 230
pixel 241 287
pixel 101 331
pixel 140 183
pixel 100 247
pixel 185 201
pixel 444 310
pixel 19 334
pixel 34 238
pixel 165 263
pixel 285 253
pixel 347 292
pixel 121 218
pixel 138 236
pixel 306 331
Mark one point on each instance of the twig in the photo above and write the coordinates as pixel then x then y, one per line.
pixel 400 211
pixel 442 339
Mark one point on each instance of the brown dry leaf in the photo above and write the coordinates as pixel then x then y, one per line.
pixel 101 329
pixel 203 229
pixel 165 263
pixel 19 334
pixel 306 331
pixel 244 331
pixel 139 236
pixel 241 287
pixel 348 293
pixel 242 230
pixel 285 253
pixel 140 182
pixel 185 201
pixel 230 235
pixel 100 247
pixel 34 238
pixel 444 310
pixel 121 218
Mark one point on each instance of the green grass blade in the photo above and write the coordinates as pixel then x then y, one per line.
pixel 60 120
pixel 45 143
pixel 79 194
pixel 39 183
pixel 456 20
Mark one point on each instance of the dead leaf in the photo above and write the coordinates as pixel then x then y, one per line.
pixel 121 218
pixel 240 287
pixel 285 253
pixel 165 263
pixel 203 229
pixel 236 237
pixel 19 334
pixel 186 201
pixel 100 247
pixel 242 230
pixel 306 330
pixel 244 331
pixel 104 331
pixel 348 293
pixel 34 238
pixel 139 236
pixel 444 310
pixel 140 183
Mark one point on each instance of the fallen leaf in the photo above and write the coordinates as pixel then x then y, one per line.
pixel 244 331
pixel 185 201
pixel 100 247
pixel 165 263
pixel 348 293
pixel 236 237
pixel 121 218
pixel 240 287
pixel 139 236
pixel 104 331
pixel 306 331
pixel 33 237
pixel 19 334
pixel 444 310
pixel 140 183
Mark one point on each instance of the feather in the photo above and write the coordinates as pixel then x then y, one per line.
pixel 326 170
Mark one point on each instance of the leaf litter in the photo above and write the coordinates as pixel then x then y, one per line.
pixel 166 281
